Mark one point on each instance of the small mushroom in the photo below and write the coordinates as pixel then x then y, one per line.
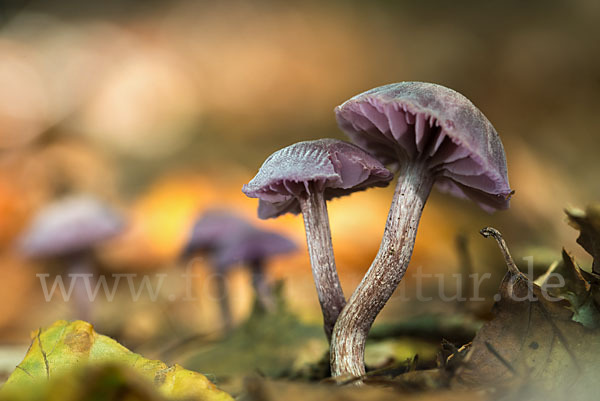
pixel 68 230
pixel 253 247
pixel 300 178
pixel 229 240
pixel 210 233
pixel 433 135
pixel 212 229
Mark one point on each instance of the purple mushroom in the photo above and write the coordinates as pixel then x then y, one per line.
pixel 229 240
pixel 433 135
pixel 300 178
pixel 253 247
pixel 68 230
pixel 212 229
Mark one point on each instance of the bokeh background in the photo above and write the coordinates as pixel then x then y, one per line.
pixel 165 109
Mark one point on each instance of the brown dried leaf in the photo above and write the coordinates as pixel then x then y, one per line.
pixel 567 281
pixel 534 340
pixel 588 223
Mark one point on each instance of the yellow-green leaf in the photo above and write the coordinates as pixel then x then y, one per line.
pixel 65 347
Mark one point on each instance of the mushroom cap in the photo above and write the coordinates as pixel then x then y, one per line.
pixel 70 225
pixel 335 167
pixel 212 229
pixel 416 120
pixel 252 245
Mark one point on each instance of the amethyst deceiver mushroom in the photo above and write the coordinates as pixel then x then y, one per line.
pixel 229 240
pixel 433 135
pixel 211 229
pixel 209 234
pixel 253 247
pixel 68 230
pixel 301 178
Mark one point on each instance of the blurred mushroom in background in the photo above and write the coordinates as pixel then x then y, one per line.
pixel 67 231
pixel 229 241
pixel 254 247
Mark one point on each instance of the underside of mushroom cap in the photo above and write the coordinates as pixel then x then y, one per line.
pixel 331 166
pixel 416 120
pixel 70 225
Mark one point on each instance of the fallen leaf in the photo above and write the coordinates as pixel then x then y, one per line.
pixel 576 289
pixel 66 347
pixel 533 340
pixel 98 383
pixel 588 223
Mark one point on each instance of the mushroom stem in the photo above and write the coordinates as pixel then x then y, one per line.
pixel 320 249
pixel 384 275
pixel 81 270
pixel 261 286
pixel 222 287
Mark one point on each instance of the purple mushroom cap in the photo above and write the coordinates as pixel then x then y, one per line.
pixel 252 245
pixel 416 120
pixel 70 225
pixel 335 167
pixel 230 239
pixel 212 229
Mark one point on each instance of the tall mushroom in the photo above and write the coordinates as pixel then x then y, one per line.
pixel 301 178
pixel 68 230
pixel 432 134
